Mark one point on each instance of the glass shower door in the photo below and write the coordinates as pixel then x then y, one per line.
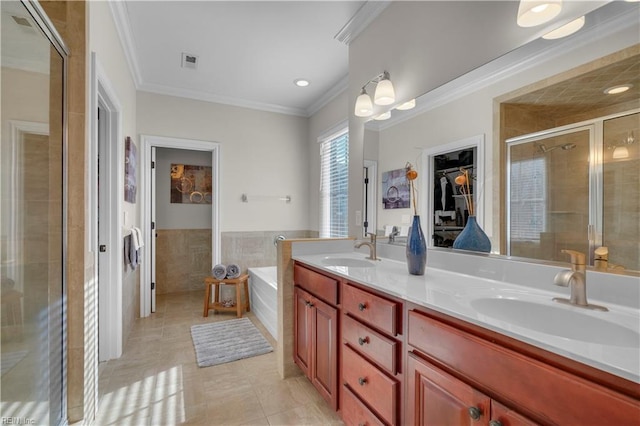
pixel 31 222
pixel 548 186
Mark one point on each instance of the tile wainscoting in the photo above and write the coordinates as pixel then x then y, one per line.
pixel 184 255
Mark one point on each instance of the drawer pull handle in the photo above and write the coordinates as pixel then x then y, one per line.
pixel 362 381
pixel 475 413
pixel 495 423
pixel 362 306
pixel 363 341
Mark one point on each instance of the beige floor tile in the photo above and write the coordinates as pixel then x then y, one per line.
pixel 310 414
pixel 157 380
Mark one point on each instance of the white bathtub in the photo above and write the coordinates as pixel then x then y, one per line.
pixel 263 294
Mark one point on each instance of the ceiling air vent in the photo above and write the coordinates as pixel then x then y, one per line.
pixel 189 61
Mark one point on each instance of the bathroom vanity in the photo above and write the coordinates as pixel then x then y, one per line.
pixel 454 348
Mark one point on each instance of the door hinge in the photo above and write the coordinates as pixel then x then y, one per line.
pixel 103 248
pixel 153 164
pixel 153 225
pixel 153 286
pixel 366 181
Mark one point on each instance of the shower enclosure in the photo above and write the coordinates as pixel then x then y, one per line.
pixel 568 190
pixel 32 218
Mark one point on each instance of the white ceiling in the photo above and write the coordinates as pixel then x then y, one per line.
pixel 249 52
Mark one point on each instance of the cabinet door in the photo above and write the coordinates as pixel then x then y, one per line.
pixel 324 372
pixel 503 416
pixel 437 398
pixel 302 330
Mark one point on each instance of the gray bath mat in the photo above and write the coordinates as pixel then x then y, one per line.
pixel 226 341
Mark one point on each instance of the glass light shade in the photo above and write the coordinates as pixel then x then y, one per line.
pixel 565 30
pixel 620 152
pixel 536 12
pixel 407 105
pixel 385 95
pixel 383 116
pixel 364 107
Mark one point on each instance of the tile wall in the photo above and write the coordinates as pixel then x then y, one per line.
pixel 184 255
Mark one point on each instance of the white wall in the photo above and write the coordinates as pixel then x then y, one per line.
pixel 173 215
pixel 263 154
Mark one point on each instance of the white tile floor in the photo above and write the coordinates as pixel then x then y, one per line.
pixel 157 380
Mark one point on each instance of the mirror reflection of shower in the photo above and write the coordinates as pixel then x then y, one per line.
pixel 566 147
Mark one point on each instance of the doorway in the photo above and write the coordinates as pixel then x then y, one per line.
pixel 148 223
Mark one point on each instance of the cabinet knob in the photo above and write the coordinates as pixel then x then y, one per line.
pixel 362 381
pixel 475 413
pixel 363 341
pixel 309 304
pixel 495 423
pixel 362 306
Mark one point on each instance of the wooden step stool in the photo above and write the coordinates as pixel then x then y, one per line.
pixel 242 282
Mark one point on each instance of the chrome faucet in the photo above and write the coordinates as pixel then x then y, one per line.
pixel 371 244
pixel 576 279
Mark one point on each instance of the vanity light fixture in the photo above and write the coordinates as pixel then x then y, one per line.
pixel 620 149
pixel 364 107
pixel 301 82
pixel 565 30
pixel 532 13
pixel 407 105
pixel 617 89
pixel 384 95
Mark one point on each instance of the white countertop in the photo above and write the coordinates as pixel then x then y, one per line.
pixel 457 294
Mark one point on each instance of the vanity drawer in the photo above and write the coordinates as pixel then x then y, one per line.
pixel 375 310
pixel 326 288
pixel 382 350
pixel 354 412
pixel 379 391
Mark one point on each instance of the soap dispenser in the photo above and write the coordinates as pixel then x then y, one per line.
pixel 601 259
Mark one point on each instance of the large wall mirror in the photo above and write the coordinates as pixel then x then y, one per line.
pixel 32 217
pixel 547 125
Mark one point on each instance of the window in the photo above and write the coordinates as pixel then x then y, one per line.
pixel 334 186
pixel 528 211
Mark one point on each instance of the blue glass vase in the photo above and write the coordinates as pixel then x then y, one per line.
pixel 472 238
pixel 416 248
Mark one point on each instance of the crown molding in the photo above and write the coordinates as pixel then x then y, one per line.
pixel 533 54
pixel 225 100
pixel 360 20
pixel 123 28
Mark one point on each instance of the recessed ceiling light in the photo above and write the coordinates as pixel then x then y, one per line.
pixel 301 82
pixel 618 89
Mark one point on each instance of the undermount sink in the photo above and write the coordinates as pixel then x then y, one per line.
pixel 348 262
pixel 558 321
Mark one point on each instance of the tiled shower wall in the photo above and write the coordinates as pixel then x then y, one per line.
pixel 184 255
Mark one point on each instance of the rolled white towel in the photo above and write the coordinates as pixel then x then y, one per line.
pixel 219 272
pixel 233 271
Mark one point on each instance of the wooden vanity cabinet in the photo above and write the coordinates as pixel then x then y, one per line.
pixel 371 354
pixel 316 331
pixel 457 373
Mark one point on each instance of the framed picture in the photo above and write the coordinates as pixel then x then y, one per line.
pixel 395 189
pixel 190 184
pixel 130 166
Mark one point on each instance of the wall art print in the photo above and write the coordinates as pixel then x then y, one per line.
pixel 190 184
pixel 395 189
pixel 130 170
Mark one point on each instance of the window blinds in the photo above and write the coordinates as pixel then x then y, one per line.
pixel 334 186
pixel 528 199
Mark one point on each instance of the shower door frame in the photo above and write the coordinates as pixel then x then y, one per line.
pixel 596 160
